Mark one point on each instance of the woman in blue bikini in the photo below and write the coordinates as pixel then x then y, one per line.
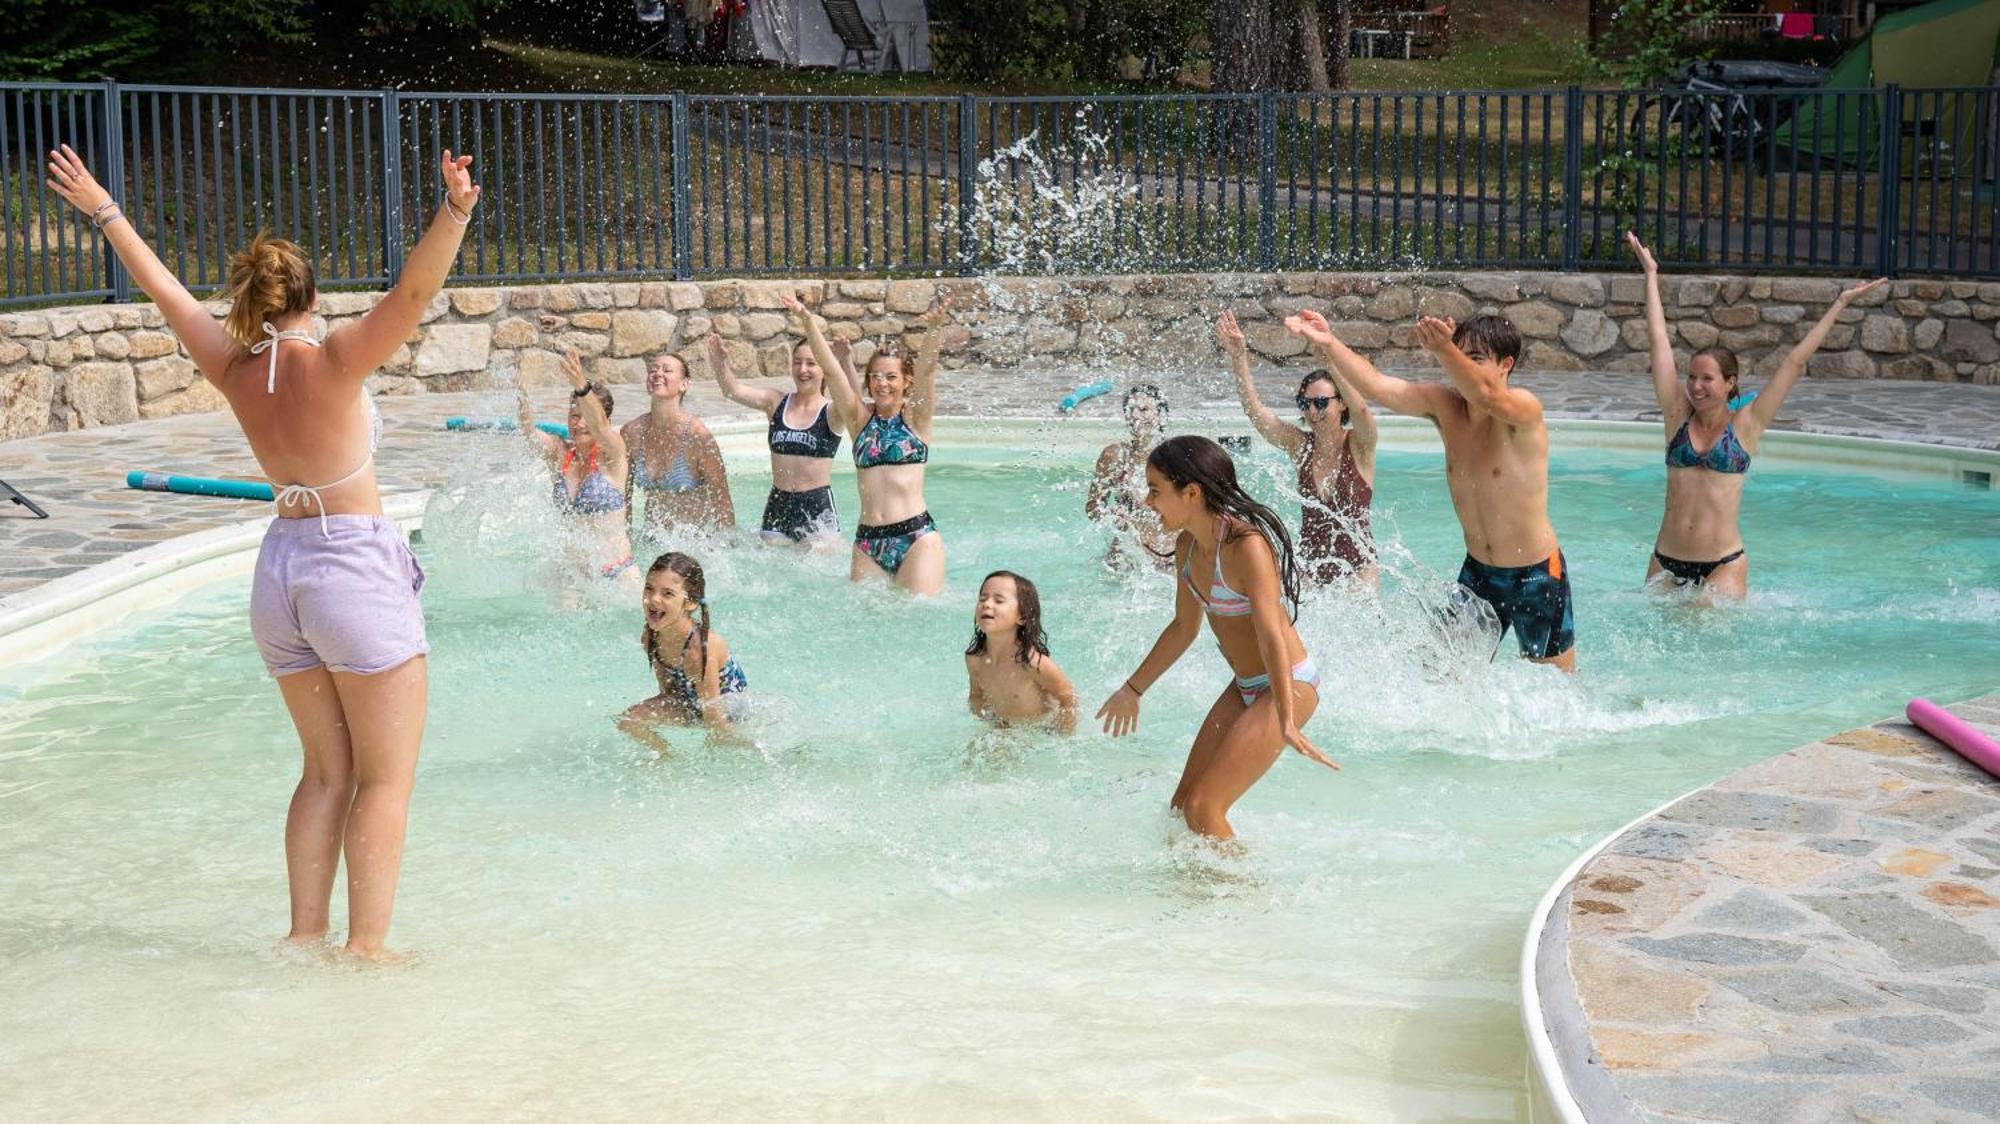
pixel 589 473
pixel 1709 446
pixel 676 464
pixel 896 538
pixel 1236 568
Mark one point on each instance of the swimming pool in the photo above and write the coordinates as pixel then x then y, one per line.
pixel 884 912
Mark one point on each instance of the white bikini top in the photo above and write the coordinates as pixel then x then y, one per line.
pixel 292 494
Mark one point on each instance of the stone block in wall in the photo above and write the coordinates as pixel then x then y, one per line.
pixel 843 310
pixel 641 331
pixel 1886 334
pixel 586 344
pixel 1499 288
pixel 1628 363
pixel 101 394
pixel 513 332
pixel 540 367
pixel 1581 289
pixel 653 294
pixel 1050 339
pixel 94 320
pixel 865 290
pixel 160 377
pixel 589 320
pixel 1733 316
pixel 625 294
pixel 1590 333
pixel 1448 303
pixel 1919 367
pixel 1396 302
pixel 1914 309
pixel 1697 333
pixel 54 352
pixel 1633 333
pixel 1750 339
pixel 772 294
pixel 381 384
pixel 474 302
pixel 62 325
pixel 1536 319
pixel 1279 307
pixel 452 348
pixel 401 361
pixel 774 360
pixel 911 296
pixel 1804 290
pixel 26 397
pixel 722 295
pixel 1841 365
pixel 1627 289
pixel 609 370
pixel 597 295
pixel 1544 356
pixel 1782 313
pixel 345 304
pixel 438 306
pixel 527 299
pixel 1696 292
pixel 111 345
pixel 1950 308
pixel 1361 335
pixel 198 397
pixel 1732 290
pixel 12 352
pixel 685 296
pixel 760 326
pixel 1927 334
pixel 1966 341
pixel 29 325
pixel 1272 340
pixel 890 326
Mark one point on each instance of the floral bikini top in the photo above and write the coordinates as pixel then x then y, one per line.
pixel 889 442
pixel 1727 455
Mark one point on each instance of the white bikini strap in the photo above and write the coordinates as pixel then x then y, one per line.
pixel 298 493
pixel 270 344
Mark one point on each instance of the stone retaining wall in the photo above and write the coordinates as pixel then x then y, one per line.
pixel 102 364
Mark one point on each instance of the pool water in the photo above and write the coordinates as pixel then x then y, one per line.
pixel 882 910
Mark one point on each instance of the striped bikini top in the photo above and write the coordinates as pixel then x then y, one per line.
pixel 1220 601
pixel 594 495
pixel 1727 455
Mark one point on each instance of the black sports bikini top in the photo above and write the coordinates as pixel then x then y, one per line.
pixel 815 440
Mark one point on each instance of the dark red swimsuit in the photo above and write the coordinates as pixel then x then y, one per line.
pixel 1333 530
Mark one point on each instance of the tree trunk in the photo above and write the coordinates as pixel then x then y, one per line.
pixel 1243 34
pixel 1305 68
pixel 1337 17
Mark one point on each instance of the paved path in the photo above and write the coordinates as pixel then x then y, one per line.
pixel 1816 937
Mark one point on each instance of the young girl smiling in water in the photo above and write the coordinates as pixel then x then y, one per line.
pixel 690 659
pixel 1007 665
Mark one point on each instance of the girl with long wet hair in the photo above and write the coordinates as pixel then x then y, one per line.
pixel 697 674
pixel 1010 675
pixel 1238 569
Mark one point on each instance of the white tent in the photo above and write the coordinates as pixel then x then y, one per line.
pixel 797 33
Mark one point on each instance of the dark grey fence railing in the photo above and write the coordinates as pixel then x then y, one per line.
pixel 1878 181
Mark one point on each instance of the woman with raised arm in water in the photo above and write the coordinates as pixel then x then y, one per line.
pixel 590 472
pixel 1709 446
pixel 803 443
pixel 1237 569
pixel 333 602
pixel 1117 493
pixel 676 463
pixel 1335 458
pixel 896 538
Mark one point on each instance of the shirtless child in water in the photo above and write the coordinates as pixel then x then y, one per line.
pixel 1012 679
pixel 1496 461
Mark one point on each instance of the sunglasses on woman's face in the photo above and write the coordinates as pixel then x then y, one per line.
pixel 1316 402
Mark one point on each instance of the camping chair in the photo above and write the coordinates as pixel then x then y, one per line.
pixel 856 39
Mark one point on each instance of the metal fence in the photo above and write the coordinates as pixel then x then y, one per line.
pixel 1880 181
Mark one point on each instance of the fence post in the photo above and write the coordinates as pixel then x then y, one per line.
pixel 1889 162
pixel 683 217
pixel 1572 210
pixel 114 182
pixel 392 187
pixel 1267 182
pixel 968 175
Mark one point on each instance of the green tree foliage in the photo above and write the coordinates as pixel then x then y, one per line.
pixel 1647 40
pixel 983 41
pixel 154 40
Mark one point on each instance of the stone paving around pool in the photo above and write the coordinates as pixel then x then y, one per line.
pixel 1816 937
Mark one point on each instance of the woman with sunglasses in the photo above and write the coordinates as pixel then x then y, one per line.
pixel 1335 457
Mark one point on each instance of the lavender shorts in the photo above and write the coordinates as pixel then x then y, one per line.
pixel 344 598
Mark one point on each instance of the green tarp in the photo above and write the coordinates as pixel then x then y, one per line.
pixel 1946 43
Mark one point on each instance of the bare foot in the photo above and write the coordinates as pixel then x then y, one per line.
pixel 378 955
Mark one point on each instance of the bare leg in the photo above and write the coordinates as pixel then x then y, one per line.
pixel 318 814
pixel 639 719
pixel 862 568
pixel 386 724
pixel 1228 705
pixel 1247 751
pixel 1566 661
pixel 922 571
pixel 1729 582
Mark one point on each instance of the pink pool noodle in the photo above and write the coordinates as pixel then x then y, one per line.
pixel 1955 732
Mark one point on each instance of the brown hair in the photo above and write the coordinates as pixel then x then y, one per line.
pixel 1496 335
pixel 904 363
pixel 268 278
pixel 1725 361
pixel 695 585
pixel 1030 637
pixel 687 377
pixel 1321 374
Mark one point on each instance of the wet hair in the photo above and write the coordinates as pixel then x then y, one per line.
pixel 603 395
pixel 1495 335
pixel 904 362
pixel 1144 390
pixel 1321 374
pixel 1189 459
pixel 695 585
pixel 268 278
pixel 687 377
pixel 1725 361
pixel 1029 638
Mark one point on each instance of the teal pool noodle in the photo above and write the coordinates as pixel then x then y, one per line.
pixel 554 429
pixel 199 486
pixel 1084 393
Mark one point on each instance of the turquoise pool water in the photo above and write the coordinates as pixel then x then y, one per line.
pixel 882 911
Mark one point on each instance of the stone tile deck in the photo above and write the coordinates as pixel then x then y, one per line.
pixel 1816 937
pixel 79 477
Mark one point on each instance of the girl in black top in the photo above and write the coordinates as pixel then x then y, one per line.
pixel 803 442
